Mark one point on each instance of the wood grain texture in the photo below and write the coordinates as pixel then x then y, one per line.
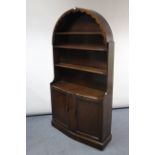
pixel 82 47
pixel 83 68
pixel 81 92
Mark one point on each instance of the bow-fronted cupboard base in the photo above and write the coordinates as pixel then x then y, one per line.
pixel 81 92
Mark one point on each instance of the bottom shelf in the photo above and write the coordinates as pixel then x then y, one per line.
pixel 79 90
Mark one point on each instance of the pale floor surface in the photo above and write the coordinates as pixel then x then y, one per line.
pixel 43 139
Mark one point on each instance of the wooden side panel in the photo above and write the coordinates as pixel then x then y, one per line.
pixel 106 124
pixel 107 103
pixel 110 67
pixel 60 107
pixel 88 118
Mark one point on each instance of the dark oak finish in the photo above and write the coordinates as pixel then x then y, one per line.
pixel 82 47
pixel 78 33
pixel 81 91
pixel 83 68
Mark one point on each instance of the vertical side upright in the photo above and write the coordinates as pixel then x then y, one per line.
pixel 107 103
pixel 110 68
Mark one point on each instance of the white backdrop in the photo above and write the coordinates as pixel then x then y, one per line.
pixel 41 18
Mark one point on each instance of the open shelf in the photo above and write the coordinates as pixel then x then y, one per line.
pixel 90 47
pixel 78 33
pixel 79 90
pixel 83 68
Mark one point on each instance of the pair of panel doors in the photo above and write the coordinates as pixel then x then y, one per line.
pixel 78 114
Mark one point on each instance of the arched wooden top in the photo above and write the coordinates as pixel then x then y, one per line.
pixel 99 20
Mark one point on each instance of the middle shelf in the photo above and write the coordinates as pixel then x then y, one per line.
pixel 89 47
pixel 102 71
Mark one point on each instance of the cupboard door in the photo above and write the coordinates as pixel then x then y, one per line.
pixel 71 99
pixel 60 107
pixel 88 118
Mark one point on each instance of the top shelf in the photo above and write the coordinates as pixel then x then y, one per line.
pixel 78 33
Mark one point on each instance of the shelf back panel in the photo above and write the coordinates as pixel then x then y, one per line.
pixel 77 22
pixel 85 58
pixel 79 40
pixel 82 78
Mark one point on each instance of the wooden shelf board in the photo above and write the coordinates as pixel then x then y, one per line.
pixel 79 90
pixel 78 33
pixel 89 47
pixel 83 68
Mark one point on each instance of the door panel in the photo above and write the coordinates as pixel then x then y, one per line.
pixel 88 118
pixel 71 99
pixel 60 107
pixel 77 114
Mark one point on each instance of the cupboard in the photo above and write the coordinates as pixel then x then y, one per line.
pixel 81 92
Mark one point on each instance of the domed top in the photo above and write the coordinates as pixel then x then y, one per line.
pixel 75 20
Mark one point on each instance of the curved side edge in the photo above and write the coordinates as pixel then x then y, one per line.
pixel 80 138
pixel 100 20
